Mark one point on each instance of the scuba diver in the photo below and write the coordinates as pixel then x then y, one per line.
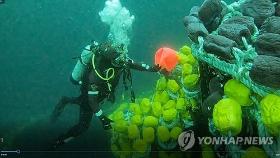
pixel 98 72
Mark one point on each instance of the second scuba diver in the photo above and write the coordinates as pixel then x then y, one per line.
pixel 98 72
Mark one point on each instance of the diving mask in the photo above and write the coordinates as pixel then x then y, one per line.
pixel 119 61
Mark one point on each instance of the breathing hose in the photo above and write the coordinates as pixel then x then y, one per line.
pixel 108 71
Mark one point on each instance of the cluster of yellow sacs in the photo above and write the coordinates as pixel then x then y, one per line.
pixel 227 113
pixel 189 67
pixel 250 152
pixel 227 117
pixel 254 152
pixel 270 111
pixel 135 134
pixel 138 125
pixel 164 104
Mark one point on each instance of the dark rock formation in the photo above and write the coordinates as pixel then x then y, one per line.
pixel 235 32
pixel 209 13
pixel 242 20
pixel 258 9
pixel 214 25
pixel 268 44
pixel 215 84
pixel 194 11
pixel 277 9
pixel 190 19
pixel 220 46
pixel 194 28
pixel 209 102
pixel 271 25
pixel 266 71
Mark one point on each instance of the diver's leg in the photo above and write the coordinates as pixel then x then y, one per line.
pixel 106 122
pixel 84 123
pixel 94 100
pixel 61 105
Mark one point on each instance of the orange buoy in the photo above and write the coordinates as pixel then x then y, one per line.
pixel 166 58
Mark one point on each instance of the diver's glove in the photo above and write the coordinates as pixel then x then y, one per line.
pixel 156 68
pixel 59 142
pixel 163 71
pixel 106 122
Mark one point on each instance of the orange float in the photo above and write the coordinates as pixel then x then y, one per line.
pixel 166 58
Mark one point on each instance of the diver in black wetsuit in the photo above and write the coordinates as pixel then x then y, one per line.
pixel 98 83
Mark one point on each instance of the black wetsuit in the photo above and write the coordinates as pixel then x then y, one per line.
pixel 90 103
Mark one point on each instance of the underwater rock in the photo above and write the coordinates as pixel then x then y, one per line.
pixel 194 28
pixel 209 102
pixel 194 11
pixel 258 9
pixel 219 45
pixel 268 44
pixel 209 13
pixel 265 71
pixel 214 25
pixel 242 20
pixel 277 10
pixel 190 19
pixel 235 32
pixel 271 25
pixel 215 85
pixel 216 94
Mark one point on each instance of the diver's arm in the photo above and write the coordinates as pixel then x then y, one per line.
pixel 141 66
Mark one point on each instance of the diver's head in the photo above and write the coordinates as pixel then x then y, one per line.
pixel 119 61
pixel 114 53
